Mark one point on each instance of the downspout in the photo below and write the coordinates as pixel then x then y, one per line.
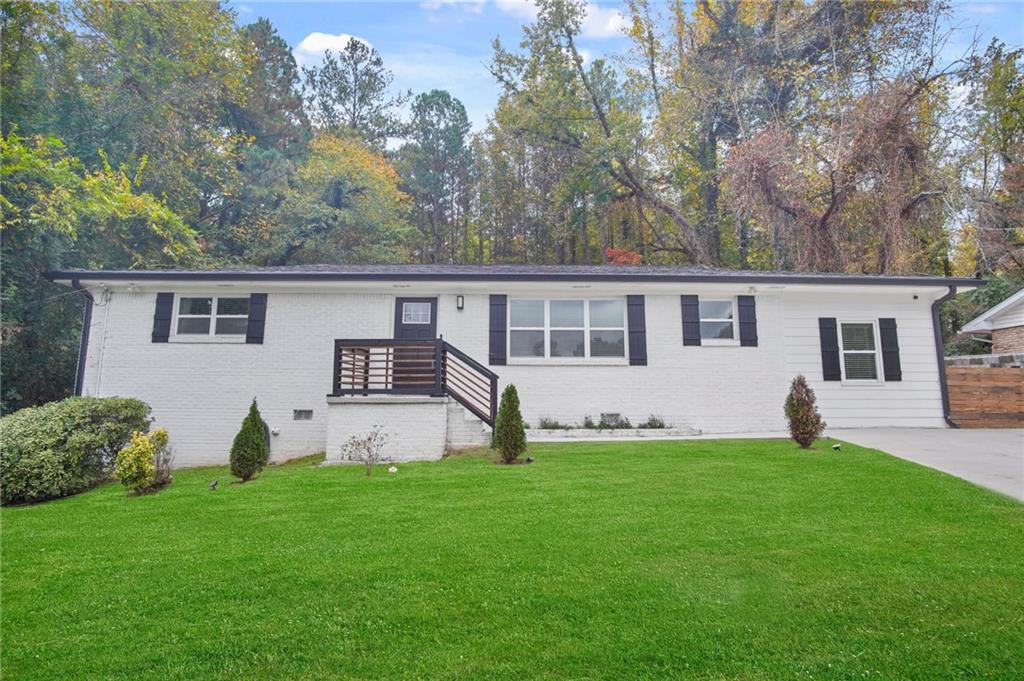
pixel 83 347
pixel 940 355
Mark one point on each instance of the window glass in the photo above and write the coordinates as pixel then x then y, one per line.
pixel 606 313
pixel 194 325
pixel 567 313
pixel 229 306
pixel 860 366
pixel 527 313
pixel 195 306
pixel 858 337
pixel 231 325
pixel 568 344
pixel 415 313
pixel 606 343
pixel 715 309
pixel 716 330
pixel 526 344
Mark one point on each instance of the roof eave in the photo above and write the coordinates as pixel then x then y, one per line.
pixel 221 275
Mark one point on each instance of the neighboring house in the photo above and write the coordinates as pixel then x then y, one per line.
pixel 331 350
pixel 1005 322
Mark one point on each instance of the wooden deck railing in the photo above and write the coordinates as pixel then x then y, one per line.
pixel 415 367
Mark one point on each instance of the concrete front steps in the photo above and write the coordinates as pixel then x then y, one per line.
pixel 465 430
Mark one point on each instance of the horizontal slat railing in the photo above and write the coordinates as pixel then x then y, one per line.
pixel 416 367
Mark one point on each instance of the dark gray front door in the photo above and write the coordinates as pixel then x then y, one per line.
pixel 416 318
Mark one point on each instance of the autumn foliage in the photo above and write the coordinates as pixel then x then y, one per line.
pixel 620 256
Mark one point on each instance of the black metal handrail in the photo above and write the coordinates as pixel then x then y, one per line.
pixel 393 366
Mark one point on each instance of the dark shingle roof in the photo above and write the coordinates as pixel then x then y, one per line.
pixel 507 273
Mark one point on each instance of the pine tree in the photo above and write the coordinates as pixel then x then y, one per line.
pixel 805 424
pixel 250 450
pixel 509 435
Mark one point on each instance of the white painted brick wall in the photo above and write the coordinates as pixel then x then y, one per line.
pixel 415 426
pixel 200 392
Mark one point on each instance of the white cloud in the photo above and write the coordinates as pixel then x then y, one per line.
pixel 524 9
pixel 602 22
pixel 244 9
pixel 599 22
pixel 313 46
pixel 471 6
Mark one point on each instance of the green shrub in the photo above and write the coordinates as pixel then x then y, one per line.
pixel 250 450
pixel 65 447
pixel 509 435
pixel 553 424
pixel 805 424
pixel 653 422
pixel 144 464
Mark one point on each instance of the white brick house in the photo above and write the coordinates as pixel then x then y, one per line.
pixel 711 350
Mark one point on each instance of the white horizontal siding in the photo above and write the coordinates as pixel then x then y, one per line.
pixel 914 401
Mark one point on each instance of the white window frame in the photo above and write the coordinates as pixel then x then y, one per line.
pixel 880 377
pixel 732 300
pixel 586 329
pixel 430 311
pixel 212 336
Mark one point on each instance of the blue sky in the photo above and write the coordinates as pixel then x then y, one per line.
pixel 445 44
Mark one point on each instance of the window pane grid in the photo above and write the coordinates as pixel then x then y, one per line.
pixel 210 315
pixel 567 328
pixel 860 355
pixel 717 319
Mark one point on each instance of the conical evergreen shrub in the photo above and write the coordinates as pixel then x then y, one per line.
pixel 805 424
pixel 509 435
pixel 249 451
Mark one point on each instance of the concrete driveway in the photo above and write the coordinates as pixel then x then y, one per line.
pixel 988 458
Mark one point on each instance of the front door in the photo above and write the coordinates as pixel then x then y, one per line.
pixel 415 319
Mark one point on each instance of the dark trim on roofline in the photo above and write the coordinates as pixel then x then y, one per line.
pixel 940 355
pixel 220 275
pixel 83 346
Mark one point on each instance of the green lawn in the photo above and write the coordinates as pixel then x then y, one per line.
pixel 711 560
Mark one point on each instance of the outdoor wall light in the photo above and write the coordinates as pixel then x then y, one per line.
pixel 460 302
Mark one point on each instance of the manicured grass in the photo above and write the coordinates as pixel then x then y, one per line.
pixel 711 560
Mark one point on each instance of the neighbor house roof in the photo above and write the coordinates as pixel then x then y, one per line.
pixel 989 319
pixel 507 273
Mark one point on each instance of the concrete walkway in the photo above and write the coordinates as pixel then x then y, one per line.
pixel 992 458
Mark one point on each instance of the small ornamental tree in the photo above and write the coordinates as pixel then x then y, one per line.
pixel 509 435
pixel 805 424
pixel 249 451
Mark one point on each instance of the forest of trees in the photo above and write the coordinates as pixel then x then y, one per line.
pixel 831 135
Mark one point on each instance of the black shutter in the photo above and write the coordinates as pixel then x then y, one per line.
pixel 691 320
pixel 162 317
pixel 257 318
pixel 499 306
pixel 890 350
pixel 636 321
pixel 748 320
pixel 829 348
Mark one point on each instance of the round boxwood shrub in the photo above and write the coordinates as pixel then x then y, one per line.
pixel 65 447
pixel 250 450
